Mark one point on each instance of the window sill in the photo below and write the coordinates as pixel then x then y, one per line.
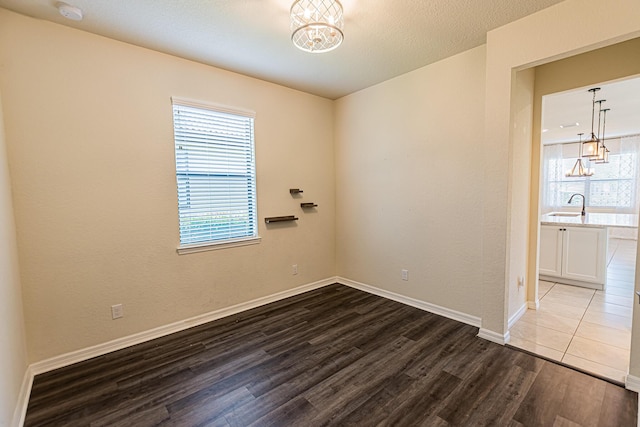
pixel 189 249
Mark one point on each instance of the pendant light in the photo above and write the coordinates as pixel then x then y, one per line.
pixel 590 146
pixel 600 152
pixel 603 151
pixel 578 169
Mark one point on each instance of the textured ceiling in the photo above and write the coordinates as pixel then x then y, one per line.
pixel 383 39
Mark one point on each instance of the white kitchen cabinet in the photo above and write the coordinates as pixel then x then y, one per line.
pixel 573 255
pixel 550 259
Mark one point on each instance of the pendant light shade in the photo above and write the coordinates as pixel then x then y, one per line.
pixel 316 25
pixel 590 146
pixel 579 170
pixel 603 155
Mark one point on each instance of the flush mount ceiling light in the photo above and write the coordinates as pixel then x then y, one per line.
pixel 590 146
pixel 316 25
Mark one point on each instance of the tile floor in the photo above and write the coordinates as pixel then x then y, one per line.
pixel 582 327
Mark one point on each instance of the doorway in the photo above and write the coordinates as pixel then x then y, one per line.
pixel 586 328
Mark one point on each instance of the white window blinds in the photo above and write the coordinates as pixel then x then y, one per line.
pixel 215 173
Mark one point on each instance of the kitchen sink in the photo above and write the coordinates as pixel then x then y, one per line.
pixel 564 214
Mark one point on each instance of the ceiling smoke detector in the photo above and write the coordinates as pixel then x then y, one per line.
pixel 69 12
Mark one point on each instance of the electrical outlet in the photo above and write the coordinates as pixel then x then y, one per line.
pixel 294 269
pixel 405 274
pixel 117 311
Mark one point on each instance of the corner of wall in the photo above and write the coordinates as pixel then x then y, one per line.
pixel 13 352
pixel 493 336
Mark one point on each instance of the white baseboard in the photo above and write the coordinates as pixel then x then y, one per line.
pixel 633 383
pixel 422 305
pixel 517 315
pixel 120 343
pixel 534 305
pixel 23 399
pixel 489 335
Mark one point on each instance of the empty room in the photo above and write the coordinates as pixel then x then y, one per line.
pixel 318 212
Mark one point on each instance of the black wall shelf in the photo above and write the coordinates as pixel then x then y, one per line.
pixel 271 219
pixel 308 205
pixel 295 191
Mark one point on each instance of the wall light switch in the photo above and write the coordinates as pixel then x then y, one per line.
pixel 117 311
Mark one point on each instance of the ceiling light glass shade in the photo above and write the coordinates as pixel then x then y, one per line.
pixel 579 170
pixel 316 25
pixel 590 147
pixel 603 155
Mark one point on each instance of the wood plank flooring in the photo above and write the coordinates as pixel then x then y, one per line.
pixel 333 356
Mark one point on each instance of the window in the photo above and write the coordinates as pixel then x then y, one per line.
pixel 215 174
pixel 614 183
pixel 612 187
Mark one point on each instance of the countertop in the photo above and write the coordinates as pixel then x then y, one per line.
pixel 599 220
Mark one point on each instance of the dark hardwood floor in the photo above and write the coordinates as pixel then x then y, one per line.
pixel 333 356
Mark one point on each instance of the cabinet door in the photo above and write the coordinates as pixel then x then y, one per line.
pixel 550 259
pixel 584 255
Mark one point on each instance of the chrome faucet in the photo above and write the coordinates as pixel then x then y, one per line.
pixel 581 195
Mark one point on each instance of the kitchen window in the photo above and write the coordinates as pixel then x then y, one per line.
pixel 215 175
pixel 613 187
pixel 610 187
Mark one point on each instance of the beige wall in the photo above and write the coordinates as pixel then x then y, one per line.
pixel 409 183
pixel 553 33
pixel 13 350
pixel 610 63
pixel 426 167
pixel 90 145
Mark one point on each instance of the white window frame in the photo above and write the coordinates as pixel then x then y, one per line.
pixel 218 157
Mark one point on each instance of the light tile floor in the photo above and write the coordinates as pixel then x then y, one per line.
pixel 582 327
